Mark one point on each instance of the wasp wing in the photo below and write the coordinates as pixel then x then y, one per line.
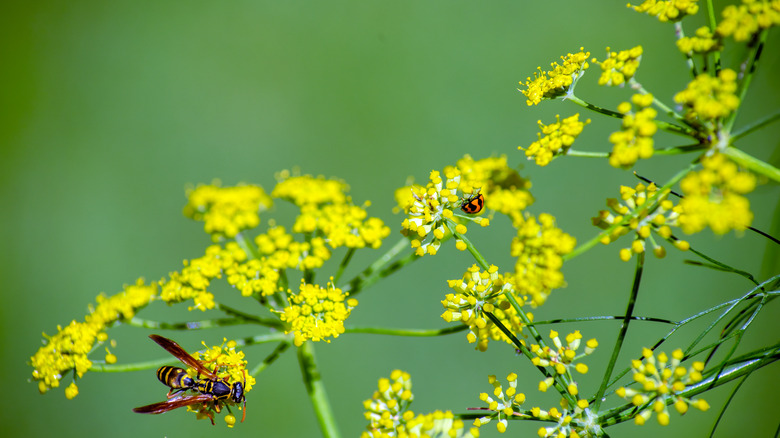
pixel 174 403
pixel 176 350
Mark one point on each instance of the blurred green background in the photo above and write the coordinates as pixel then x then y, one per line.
pixel 109 109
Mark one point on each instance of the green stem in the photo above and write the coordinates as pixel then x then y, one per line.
pixel 375 271
pixel 472 249
pixel 573 153
pixel 316 390
pixel 640 260
pixel 753 164
pixel 125 367
pixel 343 265
pixel 713 24
pixel 758 124
pixel 749 72
pixel 247 246
pixel 665 126
pixel 406 332
pixel 268 322
pixel 604 318
pixel 191 325
pixel 271 358
pixel 680 34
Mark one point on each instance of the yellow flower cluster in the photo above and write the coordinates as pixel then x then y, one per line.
pixel 505 191
pixel 69 348
pixel 306 189
pixel 635 139
pixel 708 98
pixel 280 251
pixel 713 197
pixel 505 404
pixel 478 292
pixel 326 211
pixel 667 10
pixel 558 138
pixel 432 210
pixel 388 414
pixel 194 279
pixel 539 247
pixel 661 380
pixel 562 358
pixel 745 20
pixel 226 211
pixel 342 225
pixel 558 81
pixel 574 422
pixel 703 42
pixel 619 67
pixel 649 210
pixel 317 313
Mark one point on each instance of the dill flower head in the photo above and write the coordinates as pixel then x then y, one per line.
pixel 226 211
pixel 713 197
pixel 342 225
pixel 744 21
pixel 539 247
pixel 635 139
pixel 556 82
pixel 68 350
pixel 194 279
pixel 558 138
pixel 388 413
pixel 328 213
pixel 703 42
pixel 502 402
pixel 572 421
pixel 649 210
pixel 619 67
pixel 707 98
pixel 317 313
pixel 667 10
pixel 432 211
pixel 280 251
pixel 563 358
pixel 478 292
pixel 505 191
pixel 661 381
pixel 306 189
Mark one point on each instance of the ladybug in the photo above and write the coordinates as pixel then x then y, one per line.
pixel 473 204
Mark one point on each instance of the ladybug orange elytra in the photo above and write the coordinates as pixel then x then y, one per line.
pixel 473 204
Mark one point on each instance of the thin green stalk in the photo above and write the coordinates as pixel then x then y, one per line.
pixel 343 265
pixel 753 126
pixel 713 23
pixel 665 126
pixel 269 322
pixel 679 33
pixel 573 153
pixel 271 358
pixel 640 260
pixel 406 332
pixel 753 164
pixel 316 390
pixel 190 325
pixel 247 246
pixel 749 72
pixel 604 318
pixel 377 270
pixel 135 366
pixel 471 248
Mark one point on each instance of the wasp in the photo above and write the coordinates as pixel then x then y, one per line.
pixel 210 390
